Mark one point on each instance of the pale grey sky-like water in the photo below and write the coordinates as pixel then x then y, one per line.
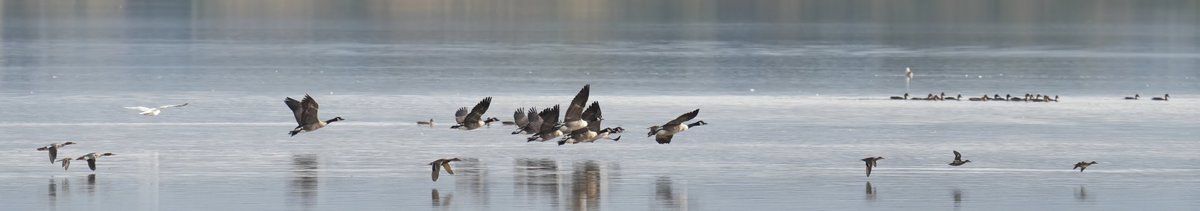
pixel 794 92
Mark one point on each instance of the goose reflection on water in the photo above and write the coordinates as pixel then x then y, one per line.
pixel 536 178
pixel 1081 194
pixel 668 196
pixel 305 181
pixel 586 186
pixel 471 178
pixel 958 197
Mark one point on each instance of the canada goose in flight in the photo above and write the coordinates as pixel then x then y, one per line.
pixel 592 132
pixel 1083 165
pixel 871 161
pixel 66 163
pixel 519 118
pixel 306 115
pixel 905 97
pixel 442 163
pixel 473 119
pixel 573 119
pixel 154 111
pixel 1135 97
pixel 429 123
pixel 1164 98
pixel 533 122
pixel 91 158
pixel 53 148
pixel 958 161
pixel 550 128
pixel 663 134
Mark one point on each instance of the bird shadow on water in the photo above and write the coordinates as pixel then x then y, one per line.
pixel 305 180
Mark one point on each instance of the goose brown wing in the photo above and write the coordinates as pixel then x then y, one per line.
pixel 53 154
pixel 478 110
pixel 549 118
pixel 519 117
pixel 575 110
pixel 593 116
pixel 683 118
pixel 92 164
pixel 957 156
pixel 461 115
pixel 297 110
pixel 535 121
pixel 310 110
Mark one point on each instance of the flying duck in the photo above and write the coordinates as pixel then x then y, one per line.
pixel 1083 165
pixel 154 111
pixel 306 115
pixel 573 119
pixel 533 123
pixel 1164 98
pixel 958 161
pixel 91 159
pixel 549 127
pixel 905 97
pixel 871 161
pixel 592 132
pixel 665 132
pixel 53 148
pixel 66 162
pixel 1135 97
pixel 442 163
pixel 473 119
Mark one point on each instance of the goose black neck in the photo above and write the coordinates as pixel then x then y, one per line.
pixel 332 120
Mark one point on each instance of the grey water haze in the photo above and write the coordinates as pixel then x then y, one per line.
pixel 794 91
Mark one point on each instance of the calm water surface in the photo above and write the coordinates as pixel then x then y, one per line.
pixel 794 92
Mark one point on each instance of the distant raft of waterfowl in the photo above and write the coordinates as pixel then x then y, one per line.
pixel 306 115
pixel 154 111
pixel 871 163
pixel 663 133
pixel 442 164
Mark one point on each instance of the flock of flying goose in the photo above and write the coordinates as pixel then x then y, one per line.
pixel 580 124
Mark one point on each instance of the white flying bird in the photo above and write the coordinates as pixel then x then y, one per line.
pixel 154 111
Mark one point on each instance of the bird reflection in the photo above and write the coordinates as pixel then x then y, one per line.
pixel 305 181
pixel 870 192
pixel 53 192
pixel 536 177
pixel 471 177
pixel 91 184
pixel 957 198
pixel 1082 194
pixel 585 186
pixel 438 201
